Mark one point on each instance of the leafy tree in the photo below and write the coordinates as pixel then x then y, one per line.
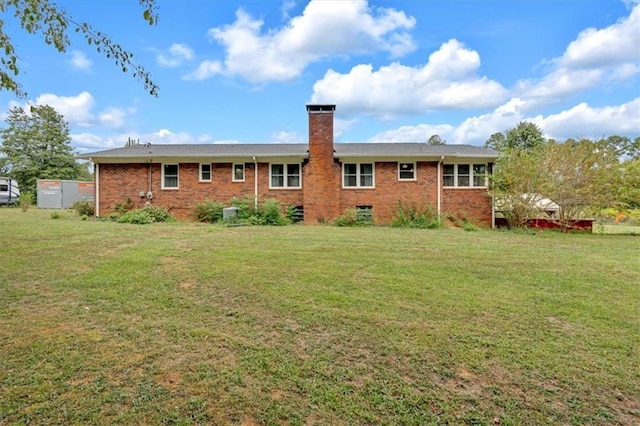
pixel 629 194
pixel 436 140
pixel 37 146
pixel 516 183
pixel 582 178
pixel 495 141
pixel 622 146
pixel 53 23
pixel 525 136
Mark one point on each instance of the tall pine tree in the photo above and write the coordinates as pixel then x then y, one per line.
pixel 37 145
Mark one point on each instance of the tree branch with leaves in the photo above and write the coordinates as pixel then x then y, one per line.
pixel 53 23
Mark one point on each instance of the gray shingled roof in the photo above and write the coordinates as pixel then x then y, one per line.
pixel 146 151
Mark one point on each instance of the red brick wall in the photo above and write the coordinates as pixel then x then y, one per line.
pixel 467 203
pixel 117 182
pixel 389 191
pixel 323 197
pixel 121 181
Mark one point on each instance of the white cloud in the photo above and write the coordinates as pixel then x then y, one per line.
pixel 89 142
pixel 585 121
pixel 205 70
pixel 79 60
pixel 581 120
pixel 286 137
pixel 476 130
pixel 112 117
pixel 166 136
pixel 614 45
pixel 324 29
pixel 419 133
pixel 177 54
pixel 75 109
pixel 448 80
pixel 596 57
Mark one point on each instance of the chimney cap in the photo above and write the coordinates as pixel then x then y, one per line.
pixel 321 108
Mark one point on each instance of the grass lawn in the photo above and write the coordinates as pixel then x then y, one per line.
pixel 105 323
pixel 616 229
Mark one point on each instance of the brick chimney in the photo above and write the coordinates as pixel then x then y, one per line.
pixel 321 176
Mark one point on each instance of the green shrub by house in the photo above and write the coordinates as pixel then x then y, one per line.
pixel 411 216
pixel 145 215
pixel 208 211
pixel 84 208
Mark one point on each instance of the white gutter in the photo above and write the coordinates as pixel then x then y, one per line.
pixel 255 184
pixel 97 179
pixel 150 186
pixel 439 183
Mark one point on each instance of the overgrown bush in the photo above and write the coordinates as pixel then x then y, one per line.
pixel 268 213
pixel 84 208
pixel 468 226
pixel 26 200
pixel 208 211
pixel 145 215
pixel 411 216
pixel 127 205
pixel 245 206
pixel 351 218
pixel 55 215
pixel 271 213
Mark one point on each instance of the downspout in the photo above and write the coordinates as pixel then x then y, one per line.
pixel 96 172
pixel 255 184
pixel 149 191
pixel 439 183
pixel 493 205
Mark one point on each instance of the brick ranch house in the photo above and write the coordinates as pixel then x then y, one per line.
pixel 321 179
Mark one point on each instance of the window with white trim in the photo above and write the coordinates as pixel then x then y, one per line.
pixel 479 175
pixel 205 172
pixel 238 172
pixel 284 175
pixel 406 171
pixel 357 175
pixel 464 175
pixel 449 175
pixel 169 176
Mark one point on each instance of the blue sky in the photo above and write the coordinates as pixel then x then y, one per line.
pixel 398 71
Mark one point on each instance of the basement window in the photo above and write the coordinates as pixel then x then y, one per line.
pixel 295 213
pixel 364 214
pixel 238 172
pixel 169 176
pixel 205 172
pixel 406 171
pixel 285 176
pixel 357 175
